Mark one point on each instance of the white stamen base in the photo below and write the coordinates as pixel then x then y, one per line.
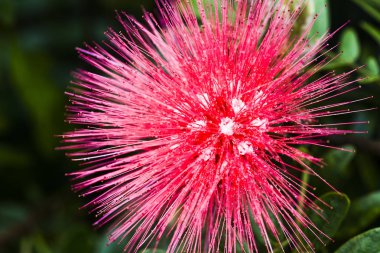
pixel 226 126
pixel 245 147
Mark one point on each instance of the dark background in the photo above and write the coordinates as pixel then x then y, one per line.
pixel 38 211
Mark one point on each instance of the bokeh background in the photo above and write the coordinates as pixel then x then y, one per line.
pixel 38 211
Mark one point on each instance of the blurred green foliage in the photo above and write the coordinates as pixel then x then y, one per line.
pixel 39 213
pixel 364 243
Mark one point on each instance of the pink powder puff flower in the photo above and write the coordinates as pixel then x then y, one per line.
pixel 188 131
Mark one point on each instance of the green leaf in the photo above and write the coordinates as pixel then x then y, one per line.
pixel 362 213
pixel 40 244
pixel 367 242
pixel 371 30
pixel 75 238
pixel 344 157
pixel 322 24
pixel 371 80
pixel 41 97
pixel 331 217
pixel 350 46
pixel 103 246
pixel 306 16
pixel 338 161
pixel 35 243
pixel 375 2
pixel 258 236
pixel 372 11
pixel 206 3
pixel 372 66
pixel 6 12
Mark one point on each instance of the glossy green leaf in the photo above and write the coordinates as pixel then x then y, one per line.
pixel 331 217
pixel 340 158
pixel 367 242
pixel 349 46
pixel 338 164
pixel 362 213
pixel 322 24
pixel 305 18
pixel 372 66
pixel 206 3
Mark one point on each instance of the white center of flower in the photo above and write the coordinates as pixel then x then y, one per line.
pixel 174 146
pixel 206 154
pixel 262 123
pixel 226 126
pixel 245 147
pixel 197 125
pixel 237 105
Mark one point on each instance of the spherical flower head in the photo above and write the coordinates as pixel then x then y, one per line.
pixel 191 130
